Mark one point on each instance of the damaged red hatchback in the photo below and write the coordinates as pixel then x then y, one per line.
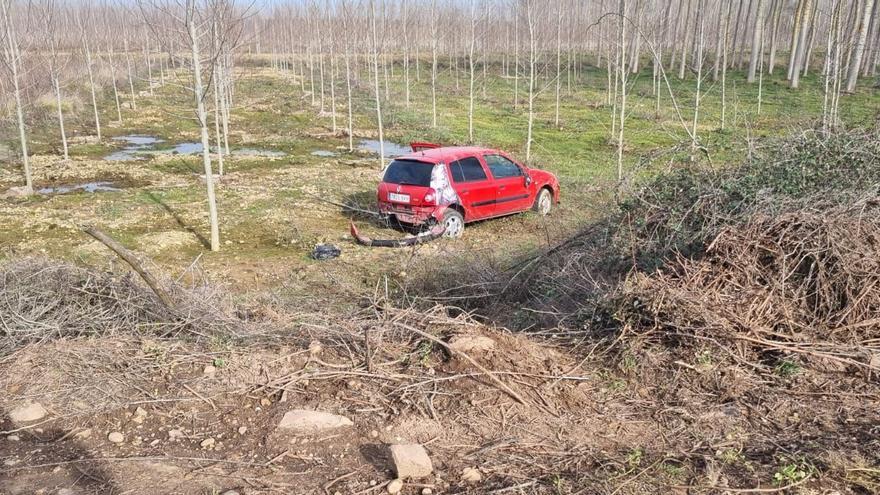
pixel 458 185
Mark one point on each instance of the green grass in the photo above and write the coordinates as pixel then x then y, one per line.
pixel 266 208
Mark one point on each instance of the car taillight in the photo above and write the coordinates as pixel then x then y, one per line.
pixel 431 197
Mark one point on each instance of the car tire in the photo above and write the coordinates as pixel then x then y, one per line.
pixel 453 221
pixel 543 203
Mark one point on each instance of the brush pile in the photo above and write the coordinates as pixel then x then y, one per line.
pixel 803 283
pixel 45 299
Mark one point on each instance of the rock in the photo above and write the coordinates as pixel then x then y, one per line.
pixel 471 344
pixel 427 491
pixel 230 492
pixel 394 486
pixel 140 414
pixel 13 438
pixel 242 430
pixel 471 475
pixel 302 420
pixel 210 369
pixel 175 434
pixel 65 491
pixel 116 437
pixel 82 435
pixel 18 192
pixel 28 413
pixel 411 461
pixel 208 443
pixel 315 348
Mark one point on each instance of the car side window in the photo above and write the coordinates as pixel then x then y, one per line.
pixel 501 167
pixel 467 170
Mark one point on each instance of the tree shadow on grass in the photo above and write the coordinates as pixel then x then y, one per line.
pixel 177 218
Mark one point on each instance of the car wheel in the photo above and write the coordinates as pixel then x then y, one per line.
pixel 544 202
pixel 453 221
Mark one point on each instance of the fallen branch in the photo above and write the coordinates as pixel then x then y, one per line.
pixel 130 258
pixel 501 385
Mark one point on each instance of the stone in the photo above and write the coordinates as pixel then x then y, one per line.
pixel 175 434
pixel 65 491
pixel 230 492
pixel 207 443
pixel 411 461
pixel 242 430
pixel 468 344
pixel 394 487
pixel 210 369
pixel 18 192
pixel 302 420
pixel 140 414
pixel 116 437
pixel 13 438
pixel 471 475
pixel 82 435
pixel 427 491
pixel 28 413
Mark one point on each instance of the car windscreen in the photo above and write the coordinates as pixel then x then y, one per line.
pixel 409 172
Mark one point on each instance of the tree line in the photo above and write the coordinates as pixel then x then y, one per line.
pixel 101 52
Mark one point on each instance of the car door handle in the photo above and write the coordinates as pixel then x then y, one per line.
pixel 500 188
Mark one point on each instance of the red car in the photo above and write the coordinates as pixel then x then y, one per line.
pixel 458 185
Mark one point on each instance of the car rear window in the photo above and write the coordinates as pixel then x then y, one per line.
pixel 467 170
pixel 409 172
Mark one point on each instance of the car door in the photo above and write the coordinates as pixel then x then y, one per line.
pixel 474 187
pixel 512 192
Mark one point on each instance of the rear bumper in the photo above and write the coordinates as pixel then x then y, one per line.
pixel 415 215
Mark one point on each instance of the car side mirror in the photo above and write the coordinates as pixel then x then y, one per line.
pixel 528 180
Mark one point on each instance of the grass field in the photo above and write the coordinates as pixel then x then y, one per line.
pixel 274 209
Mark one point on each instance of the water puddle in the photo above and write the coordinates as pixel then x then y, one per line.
pixel 133 146
pixel 89 187
pixel 391 149
pixel 139 147
pixel 324 153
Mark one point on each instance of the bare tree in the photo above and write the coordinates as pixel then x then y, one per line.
pixel 374 38
pixel 472 70
pixel 859 48
pixel 12 58
pixel 757 40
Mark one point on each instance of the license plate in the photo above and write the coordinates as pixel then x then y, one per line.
pixel 399 198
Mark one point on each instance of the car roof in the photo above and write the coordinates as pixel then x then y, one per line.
pixel 446 154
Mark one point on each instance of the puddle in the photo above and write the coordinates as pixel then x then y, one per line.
pixel 134 145
pixel 89 187
pixel 391 149
pixel 325 153
pixel 138 147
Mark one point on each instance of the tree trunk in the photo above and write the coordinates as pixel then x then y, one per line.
pixel 375 43
pixel 855 62
pixel 11 51
pixel 757 41
pixel 198 91
pixel 774 37
pixel 795 36
pixel 472 73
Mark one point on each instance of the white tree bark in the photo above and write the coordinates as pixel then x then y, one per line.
pixel 855 63
pixel 757 41
pixel 198 91
pixel 375 43
pixel 12 55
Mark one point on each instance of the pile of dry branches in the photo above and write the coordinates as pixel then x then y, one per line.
pixel 802 284
pixel 41 299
